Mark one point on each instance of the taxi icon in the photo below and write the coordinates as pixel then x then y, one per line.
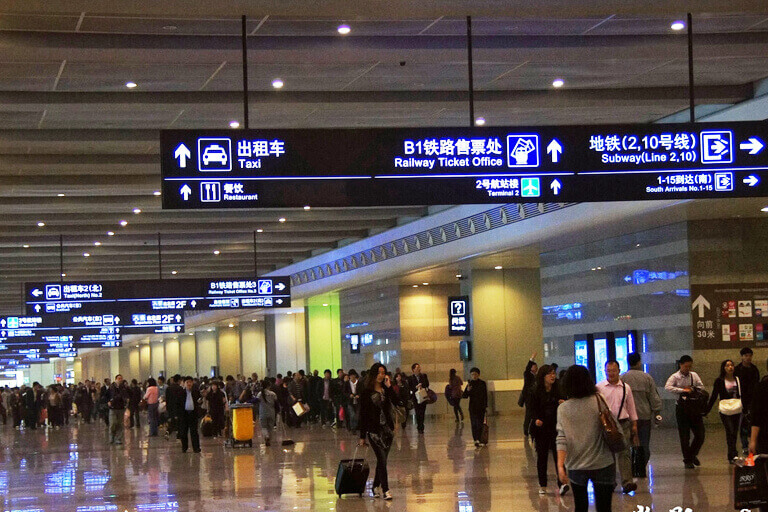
pixel 215 153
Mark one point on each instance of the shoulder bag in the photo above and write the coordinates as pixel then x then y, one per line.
pixel 611 430
pixel 731 406
pixel 694 403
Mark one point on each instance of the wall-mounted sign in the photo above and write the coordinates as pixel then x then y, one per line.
pixel 354 343
pixel 729 315
pixel 401 166
pixel 458 316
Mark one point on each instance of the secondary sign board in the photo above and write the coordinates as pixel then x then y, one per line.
pixel 155 303
pixel 458 316
pixel 57 333
pixel 729 315
pixel 403 166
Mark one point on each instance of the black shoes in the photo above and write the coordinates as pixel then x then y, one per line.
pixel 696 461
pixel 688 465
pixel 630 487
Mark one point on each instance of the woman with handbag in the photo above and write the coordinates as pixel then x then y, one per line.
pixel 727 389
pixel 544 400
pixel 583 454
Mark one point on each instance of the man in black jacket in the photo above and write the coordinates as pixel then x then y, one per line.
pixel 416 382
pixel 117 402
pixel 477 392
pixel 749 378
pixel 30 405
pixel 187 406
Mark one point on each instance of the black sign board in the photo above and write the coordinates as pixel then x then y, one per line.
pixel 384 166
pixel 354 343
pixel 458 316
pixel 58 333
pixel 729 315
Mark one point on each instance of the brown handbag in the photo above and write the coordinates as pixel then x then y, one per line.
pixel 613 435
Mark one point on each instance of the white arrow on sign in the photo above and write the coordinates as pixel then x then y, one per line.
pixel 556 186
pixel 2 322
pixel 753 146
pixel 194 303
pixel 36 292
pixel 182 153
pixel 185 191
pixel 751 180
pixel 37 308
pixel 279 301
pixel 554 148
pixel 700 303
pixel 178 318
pixel 280 286
pixel 117 319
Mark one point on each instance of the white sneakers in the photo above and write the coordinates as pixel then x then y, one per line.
pixel 542 491
pixel 376 493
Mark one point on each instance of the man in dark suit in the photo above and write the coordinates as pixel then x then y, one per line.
pixel 187 407
pixel 416 382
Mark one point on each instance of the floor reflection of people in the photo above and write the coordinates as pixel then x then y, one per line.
pixel 477 481
pixel 456 448
pixel 694 494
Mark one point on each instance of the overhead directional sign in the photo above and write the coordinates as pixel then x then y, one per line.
pixel 59 332
pixel 155 306
pixel 381 166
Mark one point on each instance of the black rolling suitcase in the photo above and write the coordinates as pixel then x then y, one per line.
pixel 352 475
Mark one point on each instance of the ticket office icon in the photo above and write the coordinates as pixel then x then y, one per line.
pixel 523 150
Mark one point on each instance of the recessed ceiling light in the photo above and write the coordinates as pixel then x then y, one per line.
pixel 557 83
pixel 60 195
pixel 217 252
pixel 458 276
pixel 63 275
pixel 97 244
pixel 231 325
pixel 277 83
pixel 281 219
pixel 764 209
pixel 123 223
pixel 157 193
pixel 498 267
pixel 174 272
pixel 415 286
pixel 259 230
pixel 41 224
pixel 325 305
pixel 425 284
pixel 86 254
pixel 307 207
pixel 480 121
pixel 254 320
pixel 137 211
pixel 131 85
pixel 137 346
pixel 344 29
pixel 26 246
pixel 677 25
pixel 638 245
pixel 234 124
pixel 110 233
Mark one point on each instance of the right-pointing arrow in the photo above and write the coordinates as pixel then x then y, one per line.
pixel 754 146
pixel 751 180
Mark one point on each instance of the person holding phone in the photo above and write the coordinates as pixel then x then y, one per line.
pixel 377 425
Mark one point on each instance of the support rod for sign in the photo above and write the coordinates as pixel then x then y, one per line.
pixel 61 258
pixel 470 73
pixel 255 257
pixel 159 257
pixel 245 76
pixel 691 96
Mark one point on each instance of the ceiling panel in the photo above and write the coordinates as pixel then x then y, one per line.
pixel 110 76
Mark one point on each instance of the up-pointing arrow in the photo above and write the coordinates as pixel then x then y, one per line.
pixel 185 191
pixel 181 154
pixel 555 186
pixel 554 148
pixel 700 303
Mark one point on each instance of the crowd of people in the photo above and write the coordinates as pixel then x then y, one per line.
pixel 563 412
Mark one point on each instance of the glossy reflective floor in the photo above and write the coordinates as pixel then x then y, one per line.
pixel 74 469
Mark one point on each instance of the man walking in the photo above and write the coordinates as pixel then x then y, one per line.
pixel 749 378
pixel 618 395
pixel 647 404
pixel 117 401
pixel 186 408
pixel 416 382
pixel 685 383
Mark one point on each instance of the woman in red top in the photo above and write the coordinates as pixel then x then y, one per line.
pixel 456 392
pixel 152 396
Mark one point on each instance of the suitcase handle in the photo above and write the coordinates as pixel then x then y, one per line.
pixel 354 454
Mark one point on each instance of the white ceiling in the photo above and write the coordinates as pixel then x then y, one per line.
pixel 70 126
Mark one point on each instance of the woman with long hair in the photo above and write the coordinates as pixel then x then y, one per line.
pixel 727 386
pixel 152 398
pixel 582 453
pixel 456 385
pixel 544 401
pixel 377 401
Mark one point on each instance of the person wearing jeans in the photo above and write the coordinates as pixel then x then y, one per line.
pixel 683 383
pixel 477 392
pixel 582 453
pixel 544 400
pixel 647 402
pixel 728 386
pixel 416 382
pixel 152 397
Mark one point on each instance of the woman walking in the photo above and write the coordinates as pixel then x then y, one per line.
pixel 529 381
pixel 544 401
pixel 268 406
pixel 582 454
pixel 217 403
pixel 152 398
pixel 377 400
pixel 728 387
pixel 456 384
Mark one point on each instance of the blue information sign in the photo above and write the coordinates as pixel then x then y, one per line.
pixel 382 166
